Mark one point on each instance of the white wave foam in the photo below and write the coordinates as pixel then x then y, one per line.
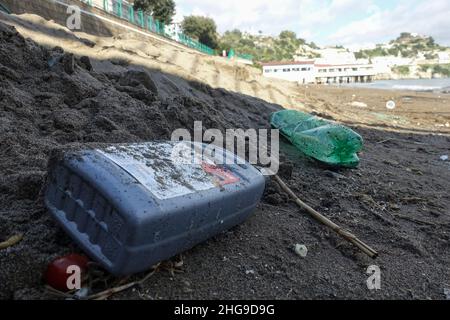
pixel 415 87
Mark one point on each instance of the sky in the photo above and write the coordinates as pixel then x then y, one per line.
pixel 352 23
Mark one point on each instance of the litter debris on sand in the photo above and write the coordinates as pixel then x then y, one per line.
pixel 444 157
pixel 358 104
pixel 11 241
pixel 325 141
pixel 44 109
pixel 327 222
pixel 301 250
pixel 158 180
pixel 63 104
pixel 57 272
pixel 390 105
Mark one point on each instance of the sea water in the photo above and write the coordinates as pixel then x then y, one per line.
pixel 406 84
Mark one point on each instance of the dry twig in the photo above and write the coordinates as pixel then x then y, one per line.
pixel 109 292
pixel 316 215
pixel 11 241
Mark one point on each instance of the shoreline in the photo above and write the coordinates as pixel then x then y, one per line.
pixel 426 112
pixel 415 85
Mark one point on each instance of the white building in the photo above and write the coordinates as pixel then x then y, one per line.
pixel 383 65
pixel 344 73
pixel 310 72
pixel 443 57
pixel 298 71
pixel 335 56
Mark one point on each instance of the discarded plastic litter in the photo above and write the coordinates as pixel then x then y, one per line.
pixel 320 139
pixel 301 250
pixel 358 104
pixel 444 157
pixel 11 241
pixel 390 105
pixel 131 206
pixel 57 273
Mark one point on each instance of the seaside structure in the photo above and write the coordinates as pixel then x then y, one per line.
pixel 299 71
pixel 344 73
pixel 443 57
pixel 335 56
pixel 305 72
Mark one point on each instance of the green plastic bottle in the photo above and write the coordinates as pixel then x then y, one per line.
pixel 325 141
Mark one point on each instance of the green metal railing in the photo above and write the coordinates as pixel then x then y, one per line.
pixel 4 9
pixel 245 56
pixel 124 10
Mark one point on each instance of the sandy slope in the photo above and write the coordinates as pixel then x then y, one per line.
pixel 412 110
pixel 215 71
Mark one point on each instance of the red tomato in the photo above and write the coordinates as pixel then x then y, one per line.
pixel 56 274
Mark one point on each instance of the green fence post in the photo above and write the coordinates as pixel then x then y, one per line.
pixel 131 14
pixel 119 8
pixel 149 23
pixel 141 18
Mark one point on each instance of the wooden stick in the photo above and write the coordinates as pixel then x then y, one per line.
pixel 109 292
pixel 11 241
pixel 324 220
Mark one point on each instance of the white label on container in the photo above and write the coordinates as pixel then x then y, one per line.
pixel 152 165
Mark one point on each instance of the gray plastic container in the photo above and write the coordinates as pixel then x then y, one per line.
pixel 131 206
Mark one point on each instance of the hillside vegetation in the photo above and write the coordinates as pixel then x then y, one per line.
pixel 442 69
pixel 264 48
pixel 406 45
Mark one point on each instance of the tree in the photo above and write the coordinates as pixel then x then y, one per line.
pixel 202 28
pixel 359 55
pixel 313 45
pixel 404 35
pixel 162 10
pixel 402 70
pixel 232 39
pixel 288 35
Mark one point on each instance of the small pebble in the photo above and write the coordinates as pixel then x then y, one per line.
pixel 301 250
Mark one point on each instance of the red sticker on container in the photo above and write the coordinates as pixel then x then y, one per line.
pixel 223 176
